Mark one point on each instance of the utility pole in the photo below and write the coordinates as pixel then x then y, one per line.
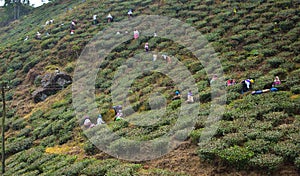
pixel 3 127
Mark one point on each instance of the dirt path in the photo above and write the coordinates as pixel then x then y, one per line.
pixel 184 159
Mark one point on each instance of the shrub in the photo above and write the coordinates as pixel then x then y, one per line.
pixel 100 168
pixel 49 43
pixel 208 151
pixel 24 132
pixel 117 125
pixel 258 145
pixel 275 62
pixel 267 52
pixel 226 127
pixel 90 148
pixel 32 62
pixel 287 150
pixel 174 104
pixel 286 25
pixel 236 156
pixel 124 147
pixel 48 141
pixel 160 146
pixel 57 163
pixel 181 135
pixel 297 59
pixel 19 145
pixel 268 161
pixel 47 131
pixel 73 169
pixel 275 117
pixel 295 89
pixel 234 139
pixel 195 135
pixel 64 137
pixel 15 82
pixel 297 162
pixel 272 136
pixel 279 72
pixel 56 126
pixel 231 96
pixel 263 82
pixel 205 96
pixel 125 170
pixel 18 124
pixel 289 66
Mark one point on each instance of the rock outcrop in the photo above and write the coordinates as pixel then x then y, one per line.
pixel 51 84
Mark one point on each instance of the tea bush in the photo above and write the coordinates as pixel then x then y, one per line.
pixel 297 162
pixel 287 150
pixel 90 148
pixel 268 162
pixel 100 167
pixel 160 146
pixel 18 145
pixel 208 151
pixel 295 89
pixel 124 147
pixel 258 146
pixel 275 62
pixel 73 169
pixel 271 135
pixel 195 135
pixel 236 156
pixel 125 170
pixel 18 124
pixel 234 139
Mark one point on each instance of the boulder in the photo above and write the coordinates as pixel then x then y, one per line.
pixel 51 83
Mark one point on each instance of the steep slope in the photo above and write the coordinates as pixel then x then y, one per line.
pixel 258 40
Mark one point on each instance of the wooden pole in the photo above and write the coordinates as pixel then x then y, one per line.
pixel 3 128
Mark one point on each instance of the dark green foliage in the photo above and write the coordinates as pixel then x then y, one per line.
pixel 72 170
pixel 18 124
pixel 175 104
pixel 272 136
pixel 124 170
pixel 234 139
pixel 231 96
pixel 258 145
pixel 275 62
pixel 24 132
pixel 287 149
pixel 100 167
pixel 295 89
pixel 48 141
pixel 124 147
pixel 297 162
pixel 236 156
pixel 195 135
pixel 30 64
pixel 205 96
pixel 269 162
pixel 18 145
pixel 208 151
pixel 90 148
pixel 275 117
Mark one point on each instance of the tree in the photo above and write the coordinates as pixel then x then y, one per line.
pixel 3 87
pixel 16 8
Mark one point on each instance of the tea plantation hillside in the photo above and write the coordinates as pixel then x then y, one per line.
pixel 256 135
